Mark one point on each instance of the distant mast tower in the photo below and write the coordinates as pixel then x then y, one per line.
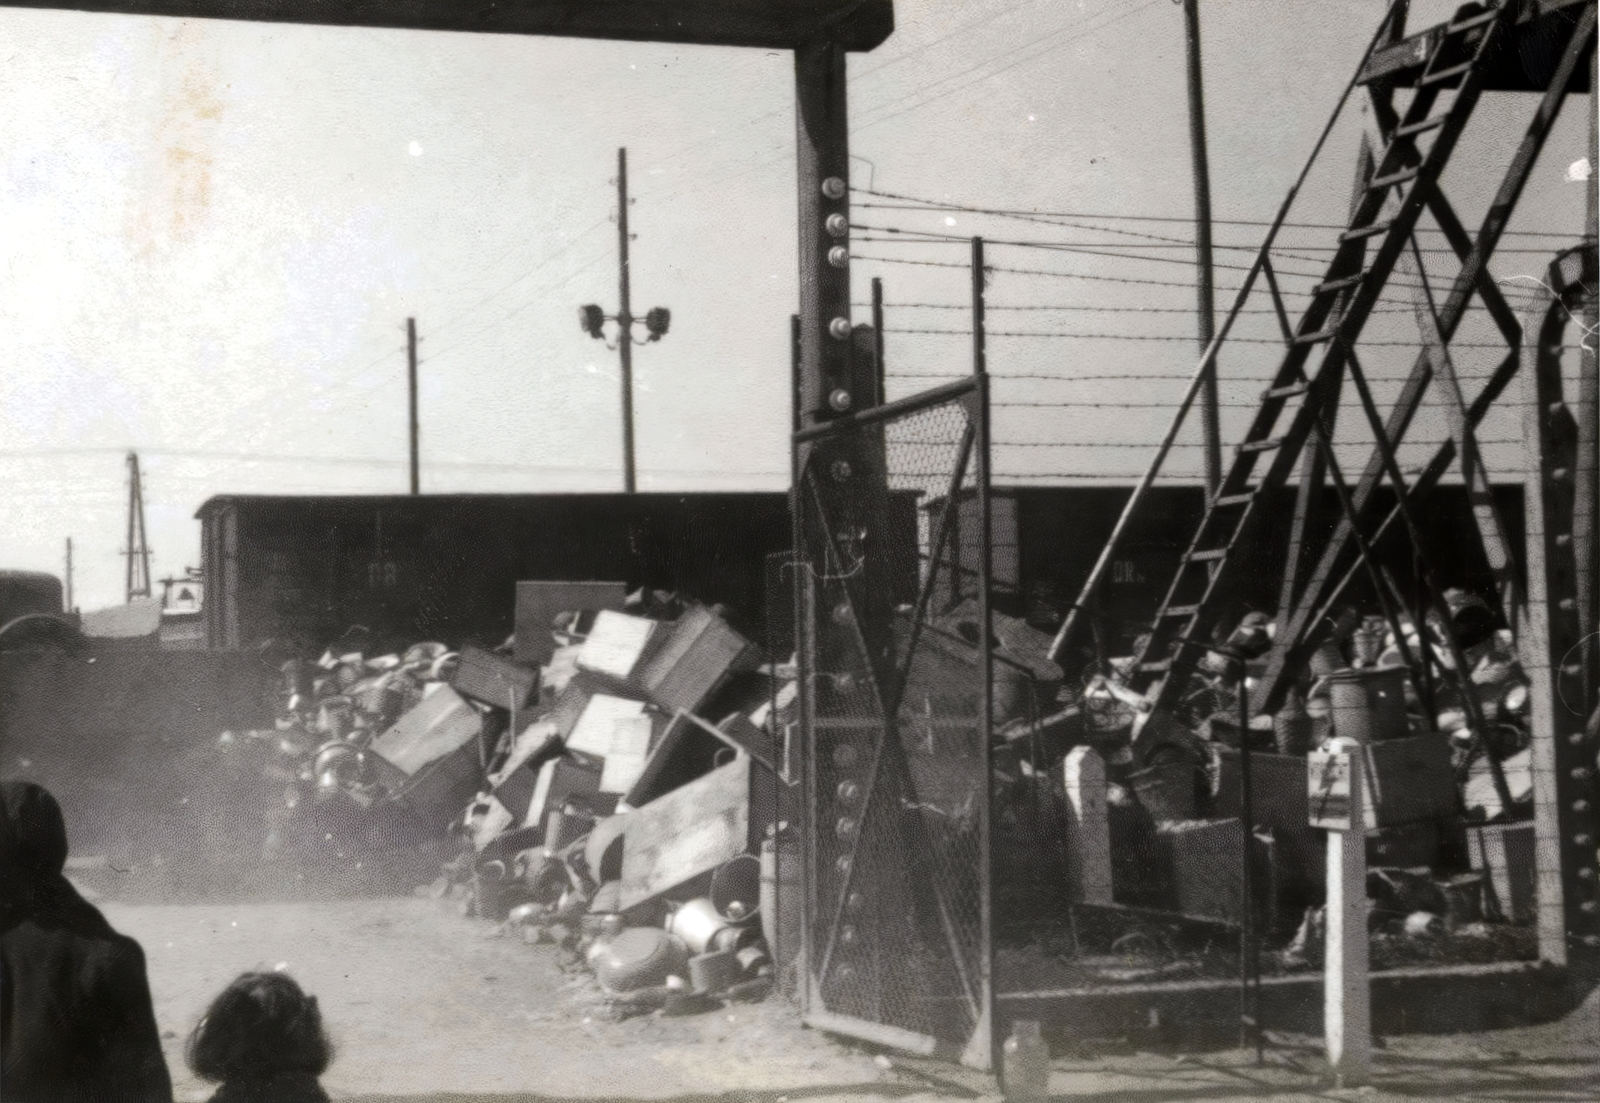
pixel 138 552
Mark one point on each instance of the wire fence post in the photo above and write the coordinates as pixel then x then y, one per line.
pixel 1251 1033
pixel 979 351
pixel 981 457
pixel 880 396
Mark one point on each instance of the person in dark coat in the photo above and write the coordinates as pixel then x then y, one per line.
pixel 76 1021
pixel 263 1039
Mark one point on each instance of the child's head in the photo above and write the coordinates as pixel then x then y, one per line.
pixel 262 1024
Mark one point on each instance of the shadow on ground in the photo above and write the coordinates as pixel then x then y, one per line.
pixel 872 1090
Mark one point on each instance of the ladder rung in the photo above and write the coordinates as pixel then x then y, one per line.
pixel 1180 610
pixel 1339 284
pixel 1316 338
pixel 1260 445
pixel 1475 21
pixel 1209 555
pixel 1420 127
pixel 1393 178
pixel 1443 75
pixel 1228 500
pixel 1160 667
pixel 1290 390
pixel 1360 232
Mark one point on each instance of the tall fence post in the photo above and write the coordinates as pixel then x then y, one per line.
pixel 986 1039
pixel 1346 1006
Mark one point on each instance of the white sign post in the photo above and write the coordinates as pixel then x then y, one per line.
pixel 1337 792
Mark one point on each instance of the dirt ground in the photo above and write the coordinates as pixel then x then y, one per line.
pixel 425 1004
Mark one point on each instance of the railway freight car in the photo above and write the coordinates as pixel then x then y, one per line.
pixel 29 593
pixel 302 570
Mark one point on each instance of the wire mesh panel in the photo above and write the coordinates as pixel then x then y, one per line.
pixel 1357 571
pixel 895 666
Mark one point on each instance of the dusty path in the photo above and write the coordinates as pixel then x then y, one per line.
pixel 421 1001
pixel 427 1005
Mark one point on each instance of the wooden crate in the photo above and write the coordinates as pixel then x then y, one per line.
pixel 686 833
pixel 699 651
pixel 431 758
pixel 618 644
pixel 1411 780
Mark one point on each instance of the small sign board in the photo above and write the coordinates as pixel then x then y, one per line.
pixel 1328 789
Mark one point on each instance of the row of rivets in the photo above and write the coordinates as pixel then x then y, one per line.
pixel 837 225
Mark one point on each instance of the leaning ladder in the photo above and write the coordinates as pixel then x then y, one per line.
pixel 1450 68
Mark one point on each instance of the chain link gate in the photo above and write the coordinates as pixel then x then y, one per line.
pixel 891 515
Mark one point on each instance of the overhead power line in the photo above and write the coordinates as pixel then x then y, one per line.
pixel 1123 377
pixel 1032 51
pixel 1008 212
pixel 1092 308
pixel 1363 343
pixel 348 461
pixel 1056 273
pixel 549 257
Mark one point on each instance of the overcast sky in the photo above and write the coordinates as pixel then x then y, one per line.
pixel 214 233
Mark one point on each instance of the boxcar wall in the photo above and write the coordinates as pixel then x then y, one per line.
pixel 304 569
pixel 1046 541
pixel 29 593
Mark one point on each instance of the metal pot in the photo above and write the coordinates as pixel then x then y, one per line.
pixel 697 923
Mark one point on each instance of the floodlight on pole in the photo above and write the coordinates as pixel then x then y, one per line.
pixel 656 321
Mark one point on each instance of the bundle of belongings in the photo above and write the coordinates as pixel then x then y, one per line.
pixel 311 789
pixel 610 784
pixel 609 776
pixel 1153 816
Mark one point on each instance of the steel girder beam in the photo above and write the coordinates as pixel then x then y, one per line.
pixel 767 24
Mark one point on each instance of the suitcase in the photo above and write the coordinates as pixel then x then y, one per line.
pixel 494 680
pixel 431 759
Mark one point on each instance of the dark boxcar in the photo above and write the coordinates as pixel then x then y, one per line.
pixel 304 569
pixel 28 593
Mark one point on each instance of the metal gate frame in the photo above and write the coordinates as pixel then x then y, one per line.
pixel 897 935
pixel 1564 658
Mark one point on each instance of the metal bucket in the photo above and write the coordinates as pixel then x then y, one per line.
pixel 780 895
pixel 736 889
pixel 1293 729
pixel 1369 705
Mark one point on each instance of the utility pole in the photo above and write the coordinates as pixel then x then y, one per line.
pixel 1209 416
pixel 138 553
pixel 68 608
pixel 625 320
pixel 593 319
pixel 411 389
